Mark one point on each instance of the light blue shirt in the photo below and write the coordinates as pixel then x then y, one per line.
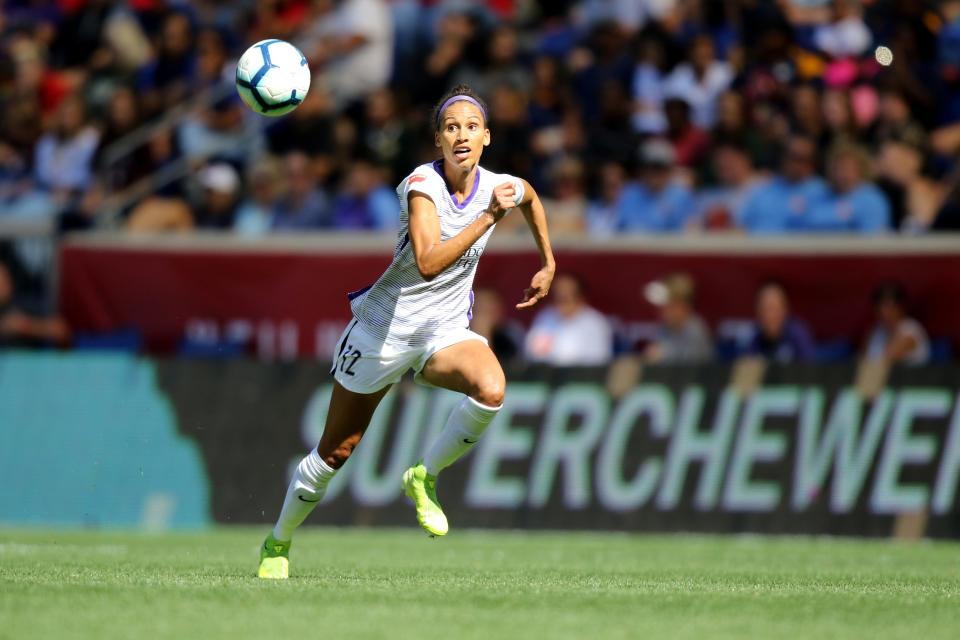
pixel 863 209
pixel 781 206
pixel 641 209
pixel 66 164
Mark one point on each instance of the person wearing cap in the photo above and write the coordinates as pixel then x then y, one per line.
pixel 683 336
pixel 655 203
pixel 896 336
pixel 221 188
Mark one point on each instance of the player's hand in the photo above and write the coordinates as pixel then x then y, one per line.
pixel 538 289
pixel 502 200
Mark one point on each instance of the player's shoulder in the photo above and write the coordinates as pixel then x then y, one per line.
pixel 424 178
pixel 494 178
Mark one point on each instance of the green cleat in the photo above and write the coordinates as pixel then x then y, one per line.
pixel 421 487
pixel 274 559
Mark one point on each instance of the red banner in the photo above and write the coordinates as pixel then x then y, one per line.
pixel 289 299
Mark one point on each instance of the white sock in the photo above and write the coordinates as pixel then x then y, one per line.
pixel 307 487
pixel 466 424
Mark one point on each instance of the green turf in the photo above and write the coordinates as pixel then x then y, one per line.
pixel 355 583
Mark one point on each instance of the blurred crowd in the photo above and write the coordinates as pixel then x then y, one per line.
pixel 570 332
pixel 645 116
pixel 767 116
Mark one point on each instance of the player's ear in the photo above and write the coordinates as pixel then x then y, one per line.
pixel 436 139
pixel 486 137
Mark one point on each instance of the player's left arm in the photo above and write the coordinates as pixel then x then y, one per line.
pixel 536 218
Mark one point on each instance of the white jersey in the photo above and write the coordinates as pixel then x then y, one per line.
pixel 403 309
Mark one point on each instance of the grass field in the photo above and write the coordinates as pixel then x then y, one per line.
pixel 356 583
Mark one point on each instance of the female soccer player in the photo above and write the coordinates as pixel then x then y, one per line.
pixel 416 316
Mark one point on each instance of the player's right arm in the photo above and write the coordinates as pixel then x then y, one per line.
pixel 434 255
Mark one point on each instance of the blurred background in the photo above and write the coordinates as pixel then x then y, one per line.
pixel 747 198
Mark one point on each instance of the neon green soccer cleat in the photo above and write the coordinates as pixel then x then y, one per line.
pixel 421 487
pixel 274 559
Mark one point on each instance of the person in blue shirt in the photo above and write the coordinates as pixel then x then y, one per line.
pixel 852 204
pixel 778 335
pixel 783 204
pixel 655 203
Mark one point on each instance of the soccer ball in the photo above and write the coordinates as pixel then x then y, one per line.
pixel 273 77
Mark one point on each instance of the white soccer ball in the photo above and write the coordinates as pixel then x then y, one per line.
pixel 273 77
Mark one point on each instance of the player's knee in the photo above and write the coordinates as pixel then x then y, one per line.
pixel 491 392
pixel 338 456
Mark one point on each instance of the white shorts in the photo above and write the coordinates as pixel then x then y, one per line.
pixel 362 363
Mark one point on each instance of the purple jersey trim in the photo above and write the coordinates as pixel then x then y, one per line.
pixel 470 310
pixel 406 239
pixel 353 295
pixel 437 166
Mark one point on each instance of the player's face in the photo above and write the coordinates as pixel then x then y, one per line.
pixel 462 135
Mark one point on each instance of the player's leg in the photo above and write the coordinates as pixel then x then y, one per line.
pixel 471 368
pixel 347 419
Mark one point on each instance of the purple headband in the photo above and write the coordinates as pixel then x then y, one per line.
pixel 458 98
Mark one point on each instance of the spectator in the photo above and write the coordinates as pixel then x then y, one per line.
pixel 806 114
pixel 225 129
pixel 489 319
pixel 123 117
pixel 896 120
pixel 720 207
pixel 502 65
pixel 354 41
pixel 457 33
pixel 783 203
pixel 655 203
pixel 603 210
pixel 386 137
pixel 221 191
pixel 309 128
pixel 165 81
pixel 553 122
pixel 305 205
pixel 603 61
pixel 254 213
pixel 566 197
pixel 700 81
pixel 734 126
pixel 682 336
pixel 846 35
pixel 609 136
pixel 569 332
pixel 510 139
pixel 691 144
pixel 896 338
pixel 648 116
pixel 852 203
pixel 777 335
pixel 212 65
pixel 64 158
pixel 915 197
pixel 160 214
pixel 839 119
pixel 21 329
pixel 366 202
